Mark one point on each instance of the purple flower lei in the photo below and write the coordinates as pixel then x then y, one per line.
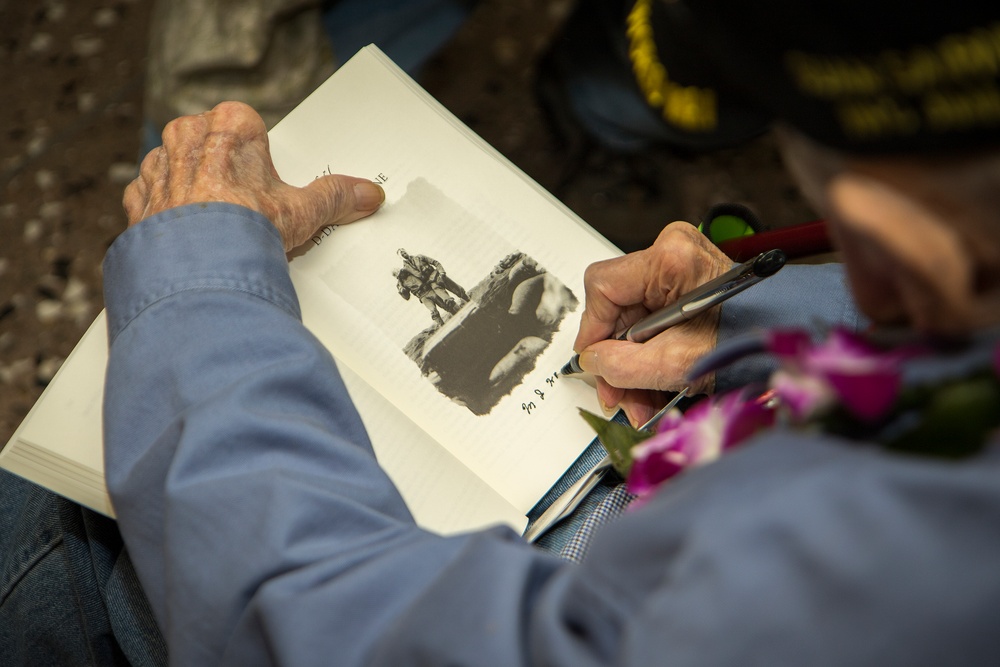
pixel 844 385
pixel 843 369
pixel 695 438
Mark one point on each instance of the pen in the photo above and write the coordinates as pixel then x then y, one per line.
pixel 696 302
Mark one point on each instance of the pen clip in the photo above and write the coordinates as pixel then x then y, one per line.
pixel 697 302
pixel 732 282
pixel 723 283
pixel 655 419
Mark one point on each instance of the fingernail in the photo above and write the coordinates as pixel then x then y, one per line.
pixel 588 361
pixel 368 196
pixel 608 410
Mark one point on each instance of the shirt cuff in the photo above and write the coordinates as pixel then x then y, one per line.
pixel 209 246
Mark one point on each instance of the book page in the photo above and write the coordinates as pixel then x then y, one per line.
pixel 464 334
pixel 60 445
pixel 442 494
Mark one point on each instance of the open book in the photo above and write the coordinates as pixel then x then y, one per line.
pixel 449 312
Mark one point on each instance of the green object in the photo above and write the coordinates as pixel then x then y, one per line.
pixel 953 420
pixel 618 440
pixel 726 227
pixel 728 221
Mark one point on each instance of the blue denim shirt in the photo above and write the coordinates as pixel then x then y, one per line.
pixel 264 532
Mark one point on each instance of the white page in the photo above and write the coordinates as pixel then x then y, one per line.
pixel 59 445
pixel 452 197
pixel 442 494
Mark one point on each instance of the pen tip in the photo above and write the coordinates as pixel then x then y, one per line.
pixel 572 366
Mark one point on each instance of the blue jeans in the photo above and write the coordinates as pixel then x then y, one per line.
pixel 68 592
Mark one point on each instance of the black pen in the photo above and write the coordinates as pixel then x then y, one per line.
pixel 696 302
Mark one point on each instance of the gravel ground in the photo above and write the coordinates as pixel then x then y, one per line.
pixel 72 73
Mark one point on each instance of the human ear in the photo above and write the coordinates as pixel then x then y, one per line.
pixel 897 247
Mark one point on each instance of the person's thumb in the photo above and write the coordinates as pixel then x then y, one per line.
pixel 332 200
pixel 342 199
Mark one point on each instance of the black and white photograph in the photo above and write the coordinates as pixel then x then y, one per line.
pixel 480 344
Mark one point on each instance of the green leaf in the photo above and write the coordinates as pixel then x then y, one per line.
pixel 618 440
pixel 956 419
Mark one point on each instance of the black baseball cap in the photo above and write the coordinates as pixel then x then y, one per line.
pixel 871 76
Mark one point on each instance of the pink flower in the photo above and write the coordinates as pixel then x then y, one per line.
pixel 843 368
pixel 694 438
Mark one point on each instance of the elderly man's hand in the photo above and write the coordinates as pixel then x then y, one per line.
pixel 222 156
pixel 623 290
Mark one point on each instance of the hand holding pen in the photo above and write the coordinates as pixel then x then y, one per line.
pixel 642 282
pixel 696 302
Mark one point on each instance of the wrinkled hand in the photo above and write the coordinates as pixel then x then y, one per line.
pixel 222 156
pixel 623 290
